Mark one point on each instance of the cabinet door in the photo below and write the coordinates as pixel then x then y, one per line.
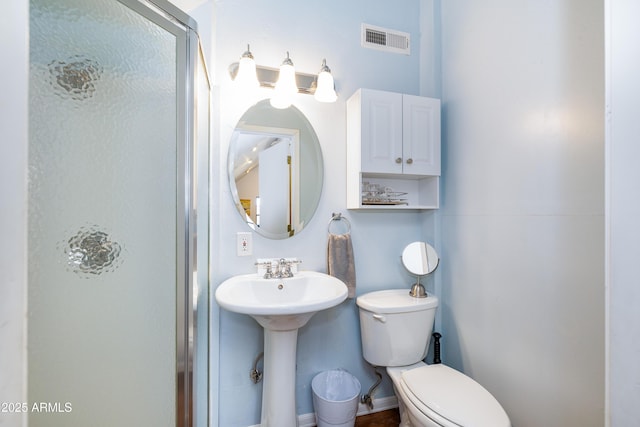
pixel 381 131
pixel 421 135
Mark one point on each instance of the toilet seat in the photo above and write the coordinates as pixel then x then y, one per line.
pixel 439 391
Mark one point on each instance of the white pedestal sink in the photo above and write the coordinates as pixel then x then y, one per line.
pixel 280 306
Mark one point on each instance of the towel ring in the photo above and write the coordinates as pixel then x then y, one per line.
pixel 339 217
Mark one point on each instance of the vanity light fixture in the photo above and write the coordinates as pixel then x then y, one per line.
pixel 286 86
pixel 325 89
pixel 247 78
pixel 285 81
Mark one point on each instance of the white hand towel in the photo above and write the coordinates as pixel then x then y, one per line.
pixel 340 261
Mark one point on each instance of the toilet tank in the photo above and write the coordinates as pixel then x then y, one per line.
pixel 395 327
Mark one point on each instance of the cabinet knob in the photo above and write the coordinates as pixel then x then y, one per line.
pixel 409 161
pixel 399 160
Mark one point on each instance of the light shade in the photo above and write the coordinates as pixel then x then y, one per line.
pixel 325 88
pixel 247 77
pixel 286 86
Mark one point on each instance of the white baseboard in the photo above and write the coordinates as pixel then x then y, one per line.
pixel 381 404
pixel 307 420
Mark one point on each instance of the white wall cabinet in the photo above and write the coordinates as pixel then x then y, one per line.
pixel 393 151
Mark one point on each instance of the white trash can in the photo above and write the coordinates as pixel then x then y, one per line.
pixel 336 394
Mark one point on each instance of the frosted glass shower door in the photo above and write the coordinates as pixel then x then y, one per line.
pixel 106 215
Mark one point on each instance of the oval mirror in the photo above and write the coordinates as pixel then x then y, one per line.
pixel 420 258
pixel 275 170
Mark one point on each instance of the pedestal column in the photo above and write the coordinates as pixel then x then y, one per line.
pixel 279 381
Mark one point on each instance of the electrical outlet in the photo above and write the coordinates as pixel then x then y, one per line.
pixel 244 244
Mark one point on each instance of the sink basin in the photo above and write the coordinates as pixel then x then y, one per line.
pixel 281 304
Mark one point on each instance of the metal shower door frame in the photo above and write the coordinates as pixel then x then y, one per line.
pixel 184 28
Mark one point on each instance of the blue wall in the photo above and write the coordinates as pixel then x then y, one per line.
pixel 522 218
pixel 310 31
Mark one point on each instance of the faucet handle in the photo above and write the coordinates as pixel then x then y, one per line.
pixel 291 265
pixel 269 273
pixel 266 266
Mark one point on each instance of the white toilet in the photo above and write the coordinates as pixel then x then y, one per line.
pixel 428 395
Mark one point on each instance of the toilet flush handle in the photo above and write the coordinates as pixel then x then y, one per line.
pixel 380 318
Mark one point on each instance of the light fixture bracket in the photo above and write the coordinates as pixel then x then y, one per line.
pixel 267 76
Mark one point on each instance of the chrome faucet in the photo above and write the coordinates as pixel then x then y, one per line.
pixel 277 268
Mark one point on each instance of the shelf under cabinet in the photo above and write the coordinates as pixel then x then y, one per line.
pixel 419 192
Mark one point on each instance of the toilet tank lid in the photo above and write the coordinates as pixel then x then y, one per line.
pixel 454 396
pixel 395 301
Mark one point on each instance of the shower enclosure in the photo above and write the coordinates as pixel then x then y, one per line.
pixel 118 169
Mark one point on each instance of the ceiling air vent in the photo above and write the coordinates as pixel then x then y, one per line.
pixel 384 39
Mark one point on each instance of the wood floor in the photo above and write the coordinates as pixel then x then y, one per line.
pixel 389 418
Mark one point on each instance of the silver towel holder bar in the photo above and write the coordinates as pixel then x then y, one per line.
pixel 338 217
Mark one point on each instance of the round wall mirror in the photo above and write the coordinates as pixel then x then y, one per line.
pixel 275 170
pixel 420 258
